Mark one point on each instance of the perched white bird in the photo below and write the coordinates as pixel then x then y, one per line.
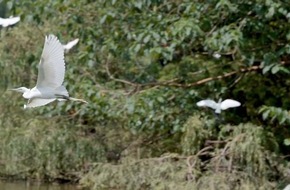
pixel 217 55
pixel 51 71
pixel 9 21
pixel 70 45
pixel 221 105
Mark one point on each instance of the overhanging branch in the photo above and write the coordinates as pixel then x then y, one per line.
pixel 174 82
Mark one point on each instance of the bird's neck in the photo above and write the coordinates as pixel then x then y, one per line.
pixel 26 93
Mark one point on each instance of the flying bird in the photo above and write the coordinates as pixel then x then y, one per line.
pixel 70 45
pixel 221 105
pixel 9 21
pixel 51 70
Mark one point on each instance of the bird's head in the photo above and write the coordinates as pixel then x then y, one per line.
pixel 20 89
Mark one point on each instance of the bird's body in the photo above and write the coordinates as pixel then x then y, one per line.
pixel 51 72
pixel 45 93
pixel 4 22
pixel 70 45
pixel 218 106
pixel 32 93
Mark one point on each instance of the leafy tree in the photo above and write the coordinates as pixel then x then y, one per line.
pixel 144 64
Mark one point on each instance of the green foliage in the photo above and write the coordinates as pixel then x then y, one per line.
pixel 33 147
pixel 155 42
pixel 240 160
pixel 195 135
pixel 134 174
pixel 142 65
pixel 275 114
pixel 249 145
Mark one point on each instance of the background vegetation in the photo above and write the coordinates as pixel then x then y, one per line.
pixel 143 65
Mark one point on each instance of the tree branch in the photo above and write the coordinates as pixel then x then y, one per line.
pixel 174 82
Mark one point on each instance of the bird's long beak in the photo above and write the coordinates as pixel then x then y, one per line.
pixel 14 89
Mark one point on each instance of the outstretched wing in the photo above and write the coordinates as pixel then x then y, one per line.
pixel 229 103
pixel 207 103
pixel 13 20
pixel 9 21
pixel 51 68
pixel 70 44
pixel 36 102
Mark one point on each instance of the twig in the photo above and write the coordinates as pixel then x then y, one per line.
pixel 225 152
pixel 215 142
pixel 118 80
pixel 191 166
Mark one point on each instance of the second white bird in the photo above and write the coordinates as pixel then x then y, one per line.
pixel 9 21
pixel 221 105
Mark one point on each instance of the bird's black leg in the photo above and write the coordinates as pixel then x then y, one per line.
pixel 62 96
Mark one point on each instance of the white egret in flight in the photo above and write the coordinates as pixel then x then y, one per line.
pixel 70 45
pixel 9 21
pixel 51 71
pixel 221 105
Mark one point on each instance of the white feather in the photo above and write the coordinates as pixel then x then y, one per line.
pixel 51 68
pixel 70 44
pixel 207 103
pixel 216 55
pixel 35 102
pixel 229 103
pixel 9 21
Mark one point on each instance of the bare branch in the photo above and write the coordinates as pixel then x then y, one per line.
pixel 174 82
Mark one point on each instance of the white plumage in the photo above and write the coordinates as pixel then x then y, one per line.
pixel 51 67
pixel 51 70
pixel 221 105
pixel 287 187
pixel 217 55
pixel 9 21
pixel 70 45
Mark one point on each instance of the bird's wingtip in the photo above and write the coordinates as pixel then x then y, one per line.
pixel 200 103
pixel 50 37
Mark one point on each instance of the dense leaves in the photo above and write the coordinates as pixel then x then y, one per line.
pixel 143 65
